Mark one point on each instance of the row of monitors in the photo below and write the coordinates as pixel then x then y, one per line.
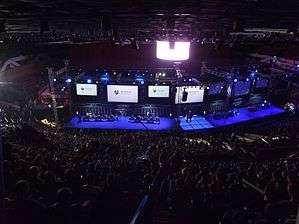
pixel 129 93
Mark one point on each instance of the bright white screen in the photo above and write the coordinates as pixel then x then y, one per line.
pixel 180 52
pixel 86 89
pixel 158 91
pixel 122 94
pixel 189 94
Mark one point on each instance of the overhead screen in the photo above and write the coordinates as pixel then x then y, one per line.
pixel 86 89
pixel 178 52
pixel 158 91
pixel 122 93
pixel 189 94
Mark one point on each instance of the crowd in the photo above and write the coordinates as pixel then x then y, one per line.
pixel 244 175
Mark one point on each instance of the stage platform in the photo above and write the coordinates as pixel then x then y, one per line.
pixel 198 122
pixel 244 115
pixel 123 123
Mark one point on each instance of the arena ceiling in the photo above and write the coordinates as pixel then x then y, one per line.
pixel 149 16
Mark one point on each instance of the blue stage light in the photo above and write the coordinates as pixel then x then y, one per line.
pixel 54 80
pixel 89 81
pixel 235 80
pixel 142 82
pixel 68 80
pixel 247 79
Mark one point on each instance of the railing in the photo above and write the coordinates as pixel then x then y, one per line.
pixel 140 209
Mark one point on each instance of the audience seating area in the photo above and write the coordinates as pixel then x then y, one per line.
pixel 241 175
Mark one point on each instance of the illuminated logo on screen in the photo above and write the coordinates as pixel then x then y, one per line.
pixel 86 89
pixel 179 52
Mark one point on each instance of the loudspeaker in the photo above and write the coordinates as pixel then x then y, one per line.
pixel 185 96
pixel 170 23
pixel 106 23
pixel 44 26
pixel 171 44
pixel 2 26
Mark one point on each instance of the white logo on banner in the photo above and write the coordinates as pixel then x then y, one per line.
pixel 122 93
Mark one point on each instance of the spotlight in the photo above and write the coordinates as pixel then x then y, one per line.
pixel 142 82
pixel 235 80
pixel 68 80
pixel 54 80
pixel 247 79
pixel 208 87
pixel 190 80
pixel 89 81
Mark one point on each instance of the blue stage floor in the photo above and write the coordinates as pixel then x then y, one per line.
pixel 123 123
pixel 197 123
pixel 244 116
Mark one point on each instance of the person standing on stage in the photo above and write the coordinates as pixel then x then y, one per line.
pixel 189 116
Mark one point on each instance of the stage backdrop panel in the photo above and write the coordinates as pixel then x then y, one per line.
pixel 189 94
pixel 122 93
pixel 86 89
pixel 158 91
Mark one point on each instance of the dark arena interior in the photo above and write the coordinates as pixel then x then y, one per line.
pixel 149 112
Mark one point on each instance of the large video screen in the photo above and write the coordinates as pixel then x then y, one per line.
pixel 215 88
pixel 261 83
pixel 178 52
pixel 86 89
pixel 122 93
pixel 241 88
pixel 158 91
pixel 189 94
